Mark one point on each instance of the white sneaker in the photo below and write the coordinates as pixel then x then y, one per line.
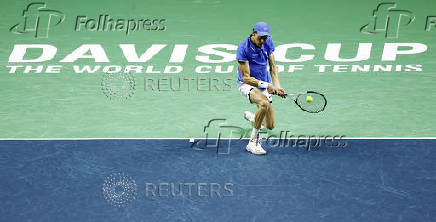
pixel 255 147
pixel 249 116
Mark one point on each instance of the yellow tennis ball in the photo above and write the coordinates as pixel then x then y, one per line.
pixel 309 99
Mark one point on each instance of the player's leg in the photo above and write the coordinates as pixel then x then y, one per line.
pixel 250 117
pixel 263 105
pixel 255 96
pixel 269 118
pixel 268 121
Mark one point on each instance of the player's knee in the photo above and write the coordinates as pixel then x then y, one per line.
pixel 265 104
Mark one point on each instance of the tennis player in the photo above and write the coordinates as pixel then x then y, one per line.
pixel 254 82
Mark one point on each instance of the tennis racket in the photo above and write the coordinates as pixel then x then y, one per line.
pixel 309 101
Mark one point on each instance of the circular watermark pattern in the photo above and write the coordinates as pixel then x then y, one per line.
pixel 119 189
pixel 118 85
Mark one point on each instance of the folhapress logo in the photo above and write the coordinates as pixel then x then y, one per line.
pixel 38 20
pixel 388 20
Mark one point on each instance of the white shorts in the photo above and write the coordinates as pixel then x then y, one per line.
pixel 245 90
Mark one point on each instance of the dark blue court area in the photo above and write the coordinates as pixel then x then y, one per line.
pixel 173 180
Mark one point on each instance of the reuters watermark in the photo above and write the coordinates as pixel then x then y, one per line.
pixel 118 86
pixel 119 190
pixel 122 86
pixel 162 84
pixel 193 189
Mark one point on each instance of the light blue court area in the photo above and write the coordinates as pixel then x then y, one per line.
pixel 170 180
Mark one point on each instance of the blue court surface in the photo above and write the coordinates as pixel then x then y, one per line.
pixel 173 180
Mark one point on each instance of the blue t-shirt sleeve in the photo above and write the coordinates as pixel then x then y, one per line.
pixel 241 54
pixel 270 46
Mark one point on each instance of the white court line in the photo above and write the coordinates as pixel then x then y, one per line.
pixel 275 138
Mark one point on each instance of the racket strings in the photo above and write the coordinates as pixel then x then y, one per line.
pixel 317 104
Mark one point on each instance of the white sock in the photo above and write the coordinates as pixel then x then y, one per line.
pixel 250 117
pixel 254 134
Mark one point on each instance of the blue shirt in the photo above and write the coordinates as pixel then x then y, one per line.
pixel 257 58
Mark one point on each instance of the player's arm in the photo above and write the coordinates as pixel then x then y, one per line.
pixel 275 75
pixel 244 68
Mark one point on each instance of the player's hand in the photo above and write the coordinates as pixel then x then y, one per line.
pixel 276 91
pixel 281 92
pixel 272 89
